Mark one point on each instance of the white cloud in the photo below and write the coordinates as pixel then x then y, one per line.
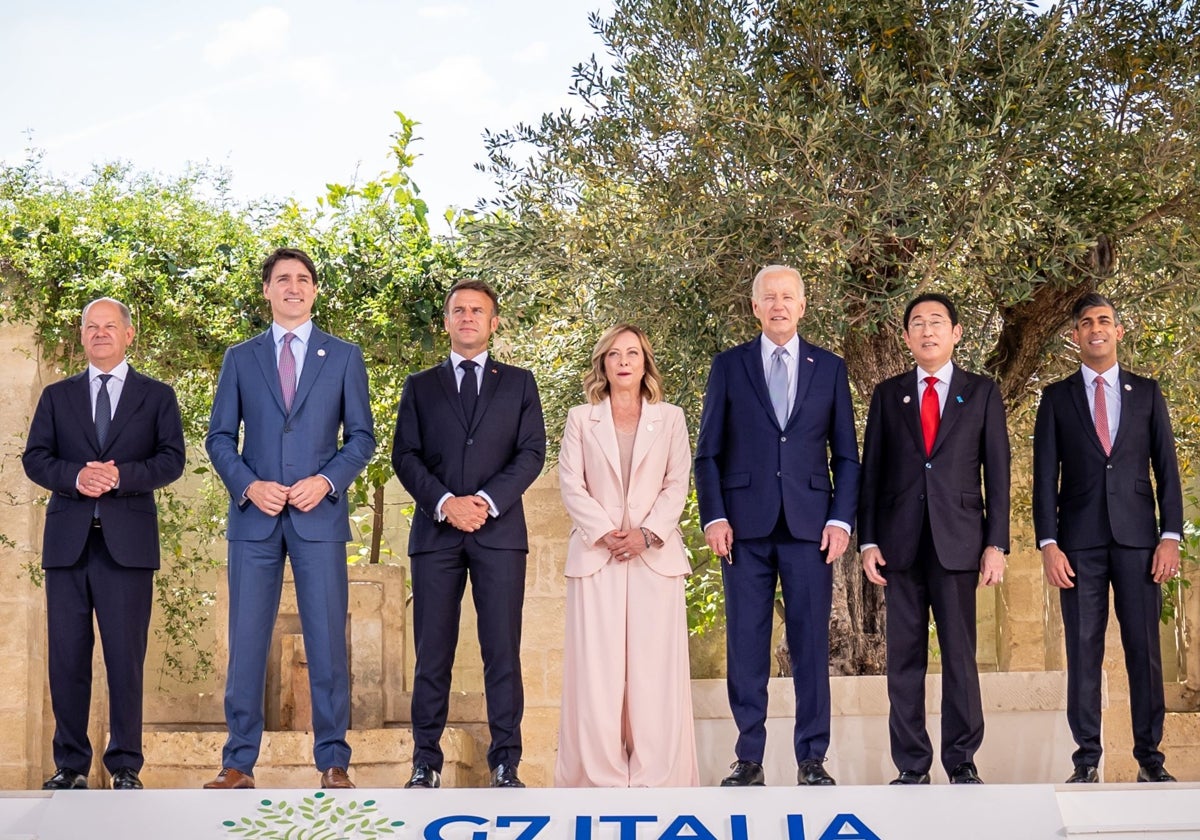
pixel 264 30
pixel 446 11
pixel 458 81
pixel 535 53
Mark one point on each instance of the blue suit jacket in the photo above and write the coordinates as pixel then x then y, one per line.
pixel 146 442
pixel 328 432
pixel 501 452
pixel 748 468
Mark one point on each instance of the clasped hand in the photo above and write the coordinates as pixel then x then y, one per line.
pixel 97 478
pixel 624 545
pixel 466 513
pixel 272 497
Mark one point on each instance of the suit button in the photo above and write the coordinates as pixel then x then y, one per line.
pixel 779 475
pixel 783 439
pixel 928 465
pixel 287 430
pixel 921 497
pixel 470 441
pixel 1108 466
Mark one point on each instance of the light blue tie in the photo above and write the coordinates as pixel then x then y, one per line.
pixel 777 385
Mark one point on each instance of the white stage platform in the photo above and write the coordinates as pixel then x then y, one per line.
pixel 1020 812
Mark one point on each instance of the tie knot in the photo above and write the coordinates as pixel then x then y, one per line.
pixel 288 338
pixel 104 377
pixel 931 381
pixel 467 366
pixel 780 353
pixel 1099 382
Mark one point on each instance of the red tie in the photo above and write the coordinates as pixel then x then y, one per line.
pixel 931 414
pixel 1100 410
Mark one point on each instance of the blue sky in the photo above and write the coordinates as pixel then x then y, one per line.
pixel 286 95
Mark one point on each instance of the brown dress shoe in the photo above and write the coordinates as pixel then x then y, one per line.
pixel 230 779
pixel 336 777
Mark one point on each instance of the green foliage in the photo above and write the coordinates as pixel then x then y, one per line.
pixel 316 817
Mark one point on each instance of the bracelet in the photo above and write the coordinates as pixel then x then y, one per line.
pixel 646 537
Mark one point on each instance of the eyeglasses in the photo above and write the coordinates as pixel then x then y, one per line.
pixel 934 325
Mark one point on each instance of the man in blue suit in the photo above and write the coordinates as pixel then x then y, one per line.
pixel 299 396
pixel 777 469
pixel 102 441
pixel 469 440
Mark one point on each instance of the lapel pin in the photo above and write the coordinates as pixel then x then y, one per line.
pixel 808 359
pixel 1128 387
pixel 958 399
pixel 907 400
pixel 321 352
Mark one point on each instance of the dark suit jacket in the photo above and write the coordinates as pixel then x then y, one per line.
pixel 747 468
pixel 1079 494
pixel 501 452
pixel 328 432
pixel 146 442
pixel 967 510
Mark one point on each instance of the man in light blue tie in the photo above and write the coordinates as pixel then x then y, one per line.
pixel 296 399
pixel 777 481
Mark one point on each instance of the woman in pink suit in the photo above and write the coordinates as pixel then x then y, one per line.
pixel 623 470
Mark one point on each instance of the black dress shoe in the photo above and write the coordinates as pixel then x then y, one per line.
pixel 745 774
pixel 910 777
pixel 1085 774
pixel 812 772
pixel 424 776
pixel 965 774
pixel 505 775
pixel 64 779
pixel 126 779
pixel 1155 773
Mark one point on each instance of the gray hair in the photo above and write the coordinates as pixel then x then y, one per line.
pixel 126 317
pixel 775 269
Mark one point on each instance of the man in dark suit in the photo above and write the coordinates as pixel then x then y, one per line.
pixel 102 441
pixel 932 525
pixel 469 440
pixel 777 421
pixel 299 397
pixel 1098 434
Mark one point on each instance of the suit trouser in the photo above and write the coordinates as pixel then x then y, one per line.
pixel 1137 601
pixel 627 691
pixel 807 582
pixel 911 594
pixel 322 596
pixel 121 599
pixel 439 579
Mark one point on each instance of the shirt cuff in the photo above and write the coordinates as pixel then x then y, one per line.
pixel 1171 535
pixel 332 489
pixel 492 509
pixel 1044 543
pixel 845 526
pixel 438 516
pixel 714 522
pixel 865 546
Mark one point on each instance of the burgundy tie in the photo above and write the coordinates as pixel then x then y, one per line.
pixel 287 372
pixel 1100 410
pixel 931 414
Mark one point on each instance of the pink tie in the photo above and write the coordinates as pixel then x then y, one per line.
pixel 1100 410
pixel 287 372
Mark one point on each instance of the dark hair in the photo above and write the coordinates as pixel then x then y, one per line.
pixel 473 286
pixel 1089 301
pixel 287 254
pixel 932 297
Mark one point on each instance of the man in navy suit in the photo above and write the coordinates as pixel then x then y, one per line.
pixel 469 440
pixel 299 397
pixel 1098 435
pixel 932 525
pixel 102 441
pixel 777 471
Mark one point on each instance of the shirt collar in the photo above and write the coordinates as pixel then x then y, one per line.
pixel 302 332
pixel 480 360
pixel 767 347
pixel 119 372
pixel 1110 376
pixel 943 373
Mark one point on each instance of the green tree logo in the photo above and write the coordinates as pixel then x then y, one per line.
pixel 316 817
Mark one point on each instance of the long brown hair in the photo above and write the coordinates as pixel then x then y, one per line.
pixel 595 383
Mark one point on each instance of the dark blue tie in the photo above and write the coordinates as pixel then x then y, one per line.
pixel 468 389
pixel 103 409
